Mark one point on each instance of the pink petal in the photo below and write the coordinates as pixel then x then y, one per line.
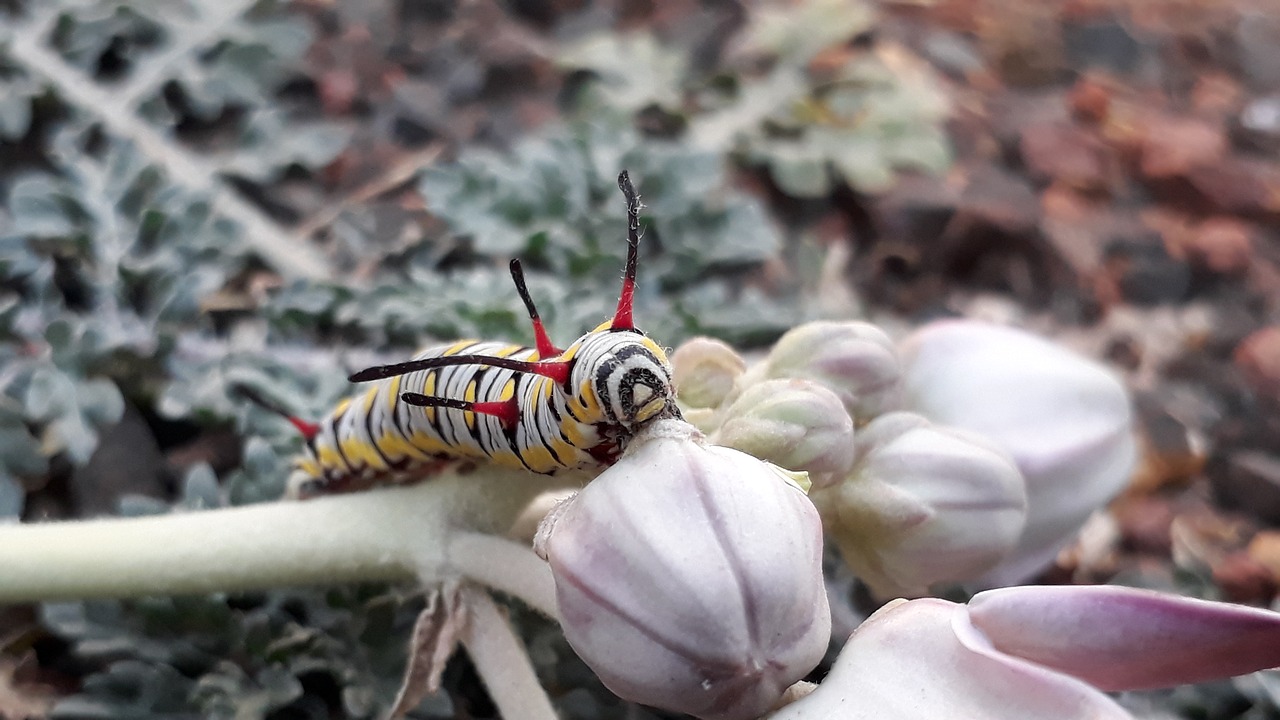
pixel 922 660
pixel 1125 639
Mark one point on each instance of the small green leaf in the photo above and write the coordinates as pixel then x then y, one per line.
pixel 758 101
pixel 20 451
pixel 49 394
pixel 858 159
pixel 15 114
pixel 633 71
pixel 40 208
pixel 228 692
pixel 100 401
pixel 795 32
pixel 200 490
pixel 128 690
pixel 12 498
pixel 70 434
pixel 799 175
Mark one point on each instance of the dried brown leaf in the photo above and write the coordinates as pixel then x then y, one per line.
pixel 435 635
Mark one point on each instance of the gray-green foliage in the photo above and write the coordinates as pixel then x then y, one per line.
pixel 106 265
pixel 19 92
pixel 553 201
pixel 857 117
pixel 241 657
pixel 868 121
pixel 107 254
pixel 107 258
pixel 243 52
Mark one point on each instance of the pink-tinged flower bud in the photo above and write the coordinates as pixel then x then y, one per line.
pixel 1064 419
pixel 704 372
pixel 923 505
pixel 1035 652
pixel 689 577
pixel 922 660
pixel 797 424
pixel 1127 639
pixel 855 360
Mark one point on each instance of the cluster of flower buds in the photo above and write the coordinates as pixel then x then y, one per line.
pixel 688 576
pixel 967 453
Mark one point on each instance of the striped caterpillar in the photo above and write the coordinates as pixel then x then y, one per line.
pixel 539 408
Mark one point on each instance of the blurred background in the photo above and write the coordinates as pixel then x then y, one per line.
pixel 194 194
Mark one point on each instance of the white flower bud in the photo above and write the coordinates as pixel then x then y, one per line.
pixel 689 577
pixel 923 505
pixel 855 360
pixel 704 372
pixel 797 424
pixel 1065 419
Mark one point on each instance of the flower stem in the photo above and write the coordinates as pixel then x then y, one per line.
pixel 507 566
pixel 502 662
pixel 389 534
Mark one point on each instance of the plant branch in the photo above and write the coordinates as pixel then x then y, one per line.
pixel 388 534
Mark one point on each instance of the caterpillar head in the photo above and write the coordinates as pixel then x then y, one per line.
pixel 640 385
pixel 628 376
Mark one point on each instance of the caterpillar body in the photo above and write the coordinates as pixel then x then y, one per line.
pixel 537 408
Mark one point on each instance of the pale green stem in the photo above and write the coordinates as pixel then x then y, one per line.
pixel 389 534
pixel 502 662
pixel 507 566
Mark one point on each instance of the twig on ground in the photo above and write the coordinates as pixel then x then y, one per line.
pixel 399 172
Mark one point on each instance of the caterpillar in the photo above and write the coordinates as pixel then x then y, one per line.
pixel 538 408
